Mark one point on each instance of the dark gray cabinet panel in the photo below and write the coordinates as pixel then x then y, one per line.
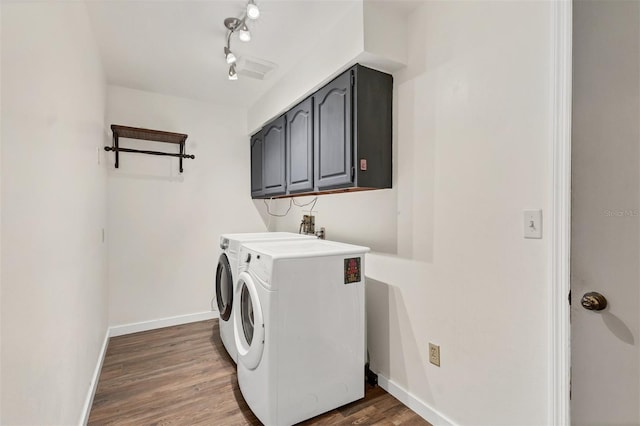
pixel 372 125
pixel 256 165
pixel 300 147
pixel 273 165
pixel 333 134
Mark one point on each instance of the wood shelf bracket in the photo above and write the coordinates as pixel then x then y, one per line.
pixel 147 135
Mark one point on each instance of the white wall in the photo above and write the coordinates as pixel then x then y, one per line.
pixel 163 226
pixel 472 142
pixel 54 298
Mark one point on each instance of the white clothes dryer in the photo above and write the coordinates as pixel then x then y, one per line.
pixel 226 276
pixel 300 328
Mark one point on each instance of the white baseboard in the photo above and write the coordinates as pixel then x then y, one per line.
pixel 421 408
pixel 119 330
pixel 88 402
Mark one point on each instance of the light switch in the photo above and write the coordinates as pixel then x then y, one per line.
pixel 533 223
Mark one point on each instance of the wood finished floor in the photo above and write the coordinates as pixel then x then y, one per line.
pixel 182 375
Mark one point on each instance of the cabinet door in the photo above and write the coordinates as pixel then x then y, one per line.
pixel 300 148
pixel 273 166
pixel 333 136
pixel 256 165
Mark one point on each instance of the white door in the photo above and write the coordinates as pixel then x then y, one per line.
pixel 605 247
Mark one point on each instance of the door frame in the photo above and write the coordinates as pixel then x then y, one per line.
pixel 559 320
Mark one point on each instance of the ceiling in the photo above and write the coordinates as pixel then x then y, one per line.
pixel 176 47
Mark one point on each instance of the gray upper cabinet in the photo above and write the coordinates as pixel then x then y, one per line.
pixel 332 134
pixel 338 139
pixel 256 165
pixel 273 165
pixel 300 147
pixel 372 125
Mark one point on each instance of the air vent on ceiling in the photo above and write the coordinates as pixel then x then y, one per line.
pixel 255 68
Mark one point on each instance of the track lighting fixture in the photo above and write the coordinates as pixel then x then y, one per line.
pixel 233 75
pixel 239 25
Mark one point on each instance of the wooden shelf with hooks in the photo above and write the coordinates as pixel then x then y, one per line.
pixel 147 135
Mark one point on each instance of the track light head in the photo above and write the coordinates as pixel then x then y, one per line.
pixel 229 56
pixel 233 75
pixel 244 34
pixel 252 10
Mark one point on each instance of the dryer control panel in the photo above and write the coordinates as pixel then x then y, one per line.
pixel 224 243
pixel 257 263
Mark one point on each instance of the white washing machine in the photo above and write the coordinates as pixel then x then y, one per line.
pixel 226 275
pixel 300 328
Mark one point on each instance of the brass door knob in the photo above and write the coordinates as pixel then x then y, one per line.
pixel 593 301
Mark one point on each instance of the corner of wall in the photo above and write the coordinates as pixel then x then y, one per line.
pixel 385 36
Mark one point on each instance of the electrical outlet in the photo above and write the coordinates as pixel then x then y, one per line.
pixel 434 354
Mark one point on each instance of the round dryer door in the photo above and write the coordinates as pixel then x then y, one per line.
pixel 224 287
pixel 249 322
pixel 246 313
